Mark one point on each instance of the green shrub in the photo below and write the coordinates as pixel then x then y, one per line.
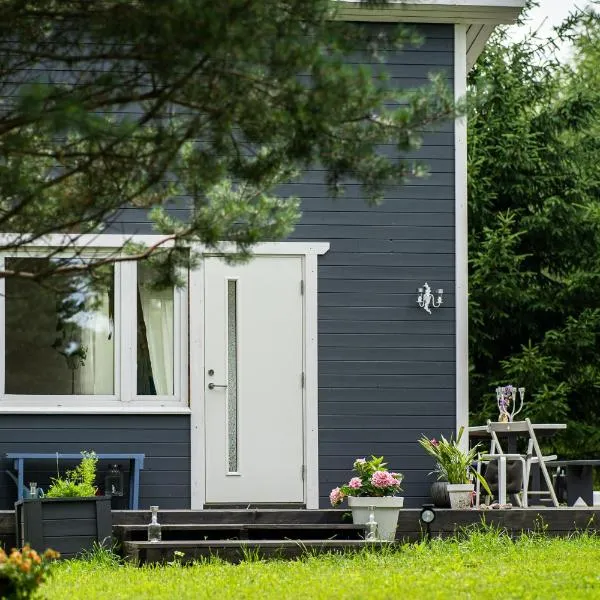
pixel 78 482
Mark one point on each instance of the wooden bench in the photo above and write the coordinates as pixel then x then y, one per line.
pixel 580 478
pixel 136 462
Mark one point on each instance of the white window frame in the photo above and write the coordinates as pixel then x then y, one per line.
pixel 125 398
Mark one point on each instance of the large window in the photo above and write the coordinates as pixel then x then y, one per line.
pixel 59 334
pixel 85 340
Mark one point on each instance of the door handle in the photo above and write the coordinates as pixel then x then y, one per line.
pixel 212 386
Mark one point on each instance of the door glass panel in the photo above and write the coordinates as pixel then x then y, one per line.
pixel 60 332
pixel 155 338
pixel 232 382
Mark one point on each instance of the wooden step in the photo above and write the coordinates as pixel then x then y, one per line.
pixel 236 550
pixel 233 516
pixel 244 531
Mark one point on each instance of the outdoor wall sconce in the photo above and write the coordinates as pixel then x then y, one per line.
pixel 427 299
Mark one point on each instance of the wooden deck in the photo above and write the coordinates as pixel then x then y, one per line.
pixel 278 532
pixel 448 522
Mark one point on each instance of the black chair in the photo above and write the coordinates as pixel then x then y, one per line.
pixel 514 478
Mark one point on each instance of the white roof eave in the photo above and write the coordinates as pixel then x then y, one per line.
pixel 482 12
pixel 480 16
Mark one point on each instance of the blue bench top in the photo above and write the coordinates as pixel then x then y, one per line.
pixel 139 458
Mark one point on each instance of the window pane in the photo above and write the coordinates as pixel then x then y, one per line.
pixel 59 335
pixel 155 345
pixel 232 379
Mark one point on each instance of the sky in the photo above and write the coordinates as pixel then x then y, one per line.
pixel 552 12
pixel 547 15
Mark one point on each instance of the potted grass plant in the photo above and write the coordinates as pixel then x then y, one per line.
pixel 455 465
pixel 373 487
pixel 70 518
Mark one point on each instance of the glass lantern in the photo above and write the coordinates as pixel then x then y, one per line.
pixel 113 482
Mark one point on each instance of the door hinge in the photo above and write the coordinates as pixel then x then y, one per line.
pixel 302 288
pixel 303 472
pixel 302 379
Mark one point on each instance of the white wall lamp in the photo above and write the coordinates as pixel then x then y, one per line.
pixel 426 299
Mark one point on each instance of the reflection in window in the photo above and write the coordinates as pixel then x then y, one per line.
pixel 155 345
pixel 59 334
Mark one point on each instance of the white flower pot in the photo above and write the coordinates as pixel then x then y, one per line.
pixel 461 495
pixel 385 509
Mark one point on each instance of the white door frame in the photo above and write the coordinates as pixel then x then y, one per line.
pixel 308 251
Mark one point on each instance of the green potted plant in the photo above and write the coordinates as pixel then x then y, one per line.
pixel 376 488
pixel 454 465
pixel 70 517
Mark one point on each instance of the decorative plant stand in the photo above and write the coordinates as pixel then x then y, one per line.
pixel 386 510
pixel 68 525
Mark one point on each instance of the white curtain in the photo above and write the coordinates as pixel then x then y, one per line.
pixel 96 374
pixel 157 309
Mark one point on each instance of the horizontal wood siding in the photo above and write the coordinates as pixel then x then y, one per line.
pixel 386 367
pixel 164 439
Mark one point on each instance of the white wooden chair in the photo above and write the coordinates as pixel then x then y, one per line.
pixel 533 456
pixel 496 453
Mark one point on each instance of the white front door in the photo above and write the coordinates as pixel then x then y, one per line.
pixel 253 380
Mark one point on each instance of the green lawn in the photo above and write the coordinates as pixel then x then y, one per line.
pixel 485 565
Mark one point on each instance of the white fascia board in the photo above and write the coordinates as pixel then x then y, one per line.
pixel 463 3
pixel 477 37
pixel 467 12
pixel 108 240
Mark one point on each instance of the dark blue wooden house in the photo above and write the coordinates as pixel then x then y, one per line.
pixel 261 383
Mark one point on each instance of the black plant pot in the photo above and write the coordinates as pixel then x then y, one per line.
pixel 68 525
pixel 439 494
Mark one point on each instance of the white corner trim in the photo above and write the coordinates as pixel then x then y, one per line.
pixel 461 235
pixel 113 241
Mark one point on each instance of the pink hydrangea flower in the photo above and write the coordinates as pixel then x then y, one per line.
pixel 360 461
pixel 383 479
pixel 355 483
pixel 434 442
pixel 336 496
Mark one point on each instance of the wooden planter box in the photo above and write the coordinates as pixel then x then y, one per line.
pixel 69 525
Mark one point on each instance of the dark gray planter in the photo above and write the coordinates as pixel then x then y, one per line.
pixel 439 494
pixel 69 525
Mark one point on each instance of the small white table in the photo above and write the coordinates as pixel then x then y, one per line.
pixel 481 431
